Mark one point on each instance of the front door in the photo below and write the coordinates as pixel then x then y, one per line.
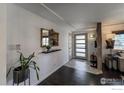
pixel 80 44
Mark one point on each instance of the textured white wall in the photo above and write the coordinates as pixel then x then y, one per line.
pixel 24 28
pixel 2 44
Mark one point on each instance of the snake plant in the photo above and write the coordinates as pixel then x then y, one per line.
pixel 27 62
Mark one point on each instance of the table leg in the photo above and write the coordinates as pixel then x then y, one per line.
pixel 29 77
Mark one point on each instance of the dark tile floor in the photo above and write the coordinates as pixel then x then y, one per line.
pixel 70 76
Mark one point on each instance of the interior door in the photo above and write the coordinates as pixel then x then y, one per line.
pixel 80 48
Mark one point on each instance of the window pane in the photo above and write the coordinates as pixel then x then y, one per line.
pixel 46 44
pixel 80 41
pixel 80 37
pixel 80 45
pixel 119 42
pixel 80 50
pixel 45 41
pixel 80 54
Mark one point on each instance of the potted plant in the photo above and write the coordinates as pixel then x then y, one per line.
pixel 48 47
pixel 20 73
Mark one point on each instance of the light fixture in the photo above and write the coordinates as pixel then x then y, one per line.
pixel 92 35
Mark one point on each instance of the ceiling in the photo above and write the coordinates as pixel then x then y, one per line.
pixel 79 15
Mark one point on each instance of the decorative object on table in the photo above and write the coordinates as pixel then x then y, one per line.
pixel 110 42
pixel 22 72
pixel 48 47
pixel 93 60
pixel 110 45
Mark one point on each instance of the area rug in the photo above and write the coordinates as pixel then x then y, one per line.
pixel 83 66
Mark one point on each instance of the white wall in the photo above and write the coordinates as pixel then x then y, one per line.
pixel 24 28
pixel 91 44
pixel 2 44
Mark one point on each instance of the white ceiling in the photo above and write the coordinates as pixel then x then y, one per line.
pixel 79 15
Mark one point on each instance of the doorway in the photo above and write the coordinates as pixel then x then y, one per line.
pixel 80 46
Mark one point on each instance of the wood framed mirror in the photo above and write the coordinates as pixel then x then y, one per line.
pixel 49 37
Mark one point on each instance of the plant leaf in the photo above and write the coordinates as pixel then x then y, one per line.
pixel 29 58
pixel 38 68
pixel 34 63
pixel 37 74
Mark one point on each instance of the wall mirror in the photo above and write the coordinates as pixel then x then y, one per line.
pixel 49 37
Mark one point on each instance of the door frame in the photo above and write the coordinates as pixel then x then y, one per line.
pixel 70 49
